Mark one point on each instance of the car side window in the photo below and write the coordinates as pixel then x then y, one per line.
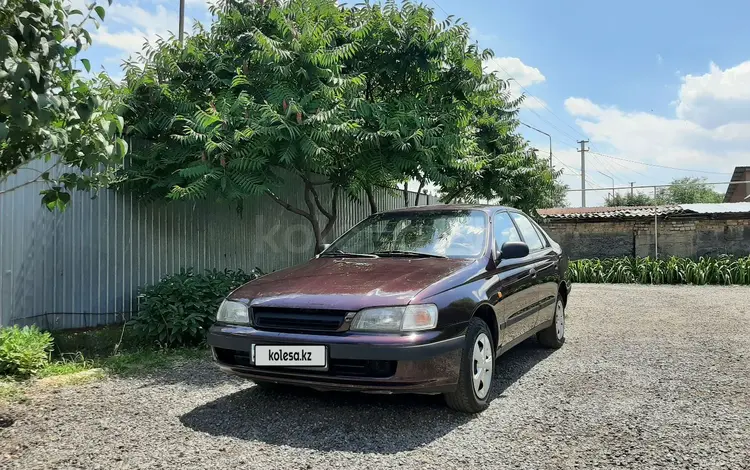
pixel 504 230
pixel 542 234
pixel 530 235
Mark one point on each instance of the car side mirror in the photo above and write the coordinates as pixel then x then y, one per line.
pixel 512 250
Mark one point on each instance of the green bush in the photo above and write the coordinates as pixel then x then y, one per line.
pixel 23 351
pixel 179 309
pixel 723 270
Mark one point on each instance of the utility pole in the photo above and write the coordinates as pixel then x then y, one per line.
pixel 182 20
pixel 583 171
pixel 631 188
pixel 656 227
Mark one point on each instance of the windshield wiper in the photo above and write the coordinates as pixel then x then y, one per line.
pixel 408 253
pixel 351 255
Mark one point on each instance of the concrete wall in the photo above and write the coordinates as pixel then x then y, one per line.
pixel 686 237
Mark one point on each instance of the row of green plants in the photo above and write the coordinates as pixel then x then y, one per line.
pixel 174 313
pixel 722 270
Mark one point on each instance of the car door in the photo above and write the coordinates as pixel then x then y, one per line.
pixel 514 284
pixel 542 259
pixel 548 277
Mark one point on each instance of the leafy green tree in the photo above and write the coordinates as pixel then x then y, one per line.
pixel 557 196
pixel 309 92
pixel 423 85
pixel 47 109
pixel 255 101
pixel 636 199
pixel 689 191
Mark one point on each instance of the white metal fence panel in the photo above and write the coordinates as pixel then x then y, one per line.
pixel 83 267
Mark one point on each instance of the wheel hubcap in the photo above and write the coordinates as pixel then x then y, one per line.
pixel 560 320
pixel 483 362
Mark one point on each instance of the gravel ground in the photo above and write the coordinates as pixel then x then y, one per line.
pixel 648 377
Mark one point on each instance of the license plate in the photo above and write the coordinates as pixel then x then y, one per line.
pixel 289 356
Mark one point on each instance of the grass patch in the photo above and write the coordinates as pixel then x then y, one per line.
pixel 80 377
pixel 128 364
pixel 65 368
pixel 11 391
pixel 98 342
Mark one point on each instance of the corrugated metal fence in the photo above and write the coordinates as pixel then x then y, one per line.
pixel 83 268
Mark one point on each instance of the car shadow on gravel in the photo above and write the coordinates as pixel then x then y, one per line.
pixel 340 421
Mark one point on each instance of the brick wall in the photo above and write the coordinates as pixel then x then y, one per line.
pixel 687 237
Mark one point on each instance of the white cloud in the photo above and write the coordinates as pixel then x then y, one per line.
pixel 659 59
pixel 704 134
pixel 513 68
pixel 716 98
pixel 517 73
pixel 130 24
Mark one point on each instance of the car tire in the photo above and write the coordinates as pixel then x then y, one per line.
pixel 477 360
pixel 554 336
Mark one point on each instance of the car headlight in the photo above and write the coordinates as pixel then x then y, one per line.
pixel 233 312
pixel 396 319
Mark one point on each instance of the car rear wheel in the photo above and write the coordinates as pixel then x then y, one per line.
pixel 472 394
pixel 554 336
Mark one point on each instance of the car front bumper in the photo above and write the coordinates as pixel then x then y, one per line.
pixel 416 363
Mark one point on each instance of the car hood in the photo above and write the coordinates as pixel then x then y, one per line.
pixel 348 283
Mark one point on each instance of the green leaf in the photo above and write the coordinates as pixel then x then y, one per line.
pixel 3 131
pixel 100 11
pixel 86 64
pixel 8 46
pixel 121 147
pixel 108 126
pixel 34 66
pixel 120 122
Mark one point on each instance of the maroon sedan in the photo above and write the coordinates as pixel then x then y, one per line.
pixel 417 300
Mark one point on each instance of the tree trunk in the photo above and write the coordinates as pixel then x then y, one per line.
pixel 419 192
pixel 371 200
pixel 406 194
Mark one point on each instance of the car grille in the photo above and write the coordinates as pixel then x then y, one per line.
pixel 293 319
pixel 336 367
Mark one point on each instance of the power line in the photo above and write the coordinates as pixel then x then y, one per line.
pixel 438 5
pixel 662 166
pixel 577 172
pixel 541 103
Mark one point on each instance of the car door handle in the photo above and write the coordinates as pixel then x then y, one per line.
pixel 532 273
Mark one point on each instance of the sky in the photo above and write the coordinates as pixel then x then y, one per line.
pixel 650 84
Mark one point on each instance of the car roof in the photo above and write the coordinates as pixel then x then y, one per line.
pixel 450 207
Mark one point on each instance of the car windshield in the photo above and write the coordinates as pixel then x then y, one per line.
pixel 451 234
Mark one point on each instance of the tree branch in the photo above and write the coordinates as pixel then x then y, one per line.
pixel 288 206
pixel 334 213
pixel 322 209
pixel 35 180
pixel 449 199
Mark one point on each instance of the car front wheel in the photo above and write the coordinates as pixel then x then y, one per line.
pixel 472 394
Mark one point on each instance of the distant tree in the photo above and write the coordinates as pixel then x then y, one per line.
pixel 689 191
pixel 557 196
pixel 622 200
pixel 48 110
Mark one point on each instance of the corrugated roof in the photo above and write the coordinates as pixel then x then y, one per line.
pixel 643 211
pixel 720 208
pixel 606 212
